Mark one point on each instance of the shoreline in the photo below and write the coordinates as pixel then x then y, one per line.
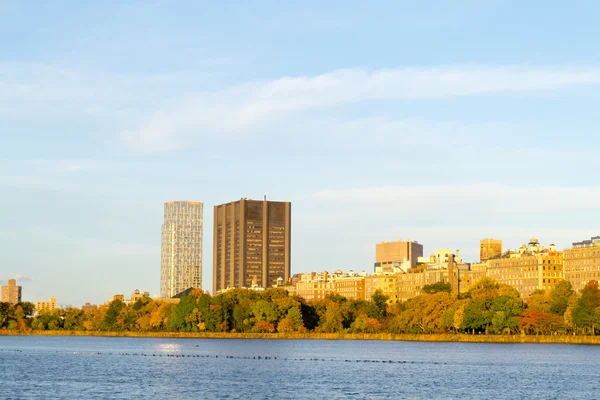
pixel 459 338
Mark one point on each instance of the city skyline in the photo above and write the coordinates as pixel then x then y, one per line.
pixel 441 122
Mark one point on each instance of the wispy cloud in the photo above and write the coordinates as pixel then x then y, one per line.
pixel 249 107
pixel 496 197
pixel 20 278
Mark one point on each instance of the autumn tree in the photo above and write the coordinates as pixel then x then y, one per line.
pixel 332 319
pixel 539 300
pixel 539 322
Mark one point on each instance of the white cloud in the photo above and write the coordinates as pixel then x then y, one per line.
pixel 241 109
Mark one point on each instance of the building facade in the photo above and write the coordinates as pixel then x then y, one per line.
pixel 11 293
pixel 582 263
pixel 181 253
pixel 529 269
pixel 387 284
pixel 389 254
pixel 351 287
pixel 252 242
pixel 314 290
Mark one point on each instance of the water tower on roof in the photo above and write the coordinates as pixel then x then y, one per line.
pixel 534 245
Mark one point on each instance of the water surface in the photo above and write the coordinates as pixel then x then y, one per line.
pixel 147 368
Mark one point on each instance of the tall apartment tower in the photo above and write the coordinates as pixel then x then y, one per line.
pixel 489 248
pixel 251 243
pixel 181 254
pixel 11 293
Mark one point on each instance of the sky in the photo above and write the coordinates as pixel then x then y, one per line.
pixel 439 121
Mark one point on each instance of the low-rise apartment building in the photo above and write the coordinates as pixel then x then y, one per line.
pixel 49 305
pixel 528 269
pixel 351 287
pixel 582 263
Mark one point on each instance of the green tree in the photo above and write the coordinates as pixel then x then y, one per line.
pixel 586 313
pixel 6 314
pixel 380 301
pixel 263 310
pixel 241 316
pixel 112 314
pixel 492 307
pixel 73 319
pixel 559 297
pixel 310 316
pixel 179 314
pixel 437 288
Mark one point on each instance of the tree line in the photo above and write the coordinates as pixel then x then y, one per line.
pixel 488 308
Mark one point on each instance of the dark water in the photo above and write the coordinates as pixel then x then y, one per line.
pixel 140 368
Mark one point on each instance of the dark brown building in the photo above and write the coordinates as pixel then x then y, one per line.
pixel 251 242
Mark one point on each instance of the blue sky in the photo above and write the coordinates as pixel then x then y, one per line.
pixel 438 121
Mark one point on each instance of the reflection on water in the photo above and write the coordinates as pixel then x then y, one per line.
pixel 104 368
pixel 167 347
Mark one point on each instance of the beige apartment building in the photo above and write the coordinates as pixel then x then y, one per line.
pixel 388 254
pixel 251 242
pixel 582 263
pixel 181 250
pixel 314 290
pixel 386 283
pixel 410 285
pixel 49 305
pixel 351 287
pixel 11 293
pixel 478 271
pixel 528 269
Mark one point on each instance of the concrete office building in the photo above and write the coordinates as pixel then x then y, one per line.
pixel 181 254
pixel 251 243
pixel 390 254
pixel 11 293
pixel 489 249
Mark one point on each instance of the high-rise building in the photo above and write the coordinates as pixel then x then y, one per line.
pixel 389 254
pixel 251 242
pixel 11 293
pixel 489 249
pixel 181 254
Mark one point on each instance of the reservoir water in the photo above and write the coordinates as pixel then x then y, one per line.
pixel 147 368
